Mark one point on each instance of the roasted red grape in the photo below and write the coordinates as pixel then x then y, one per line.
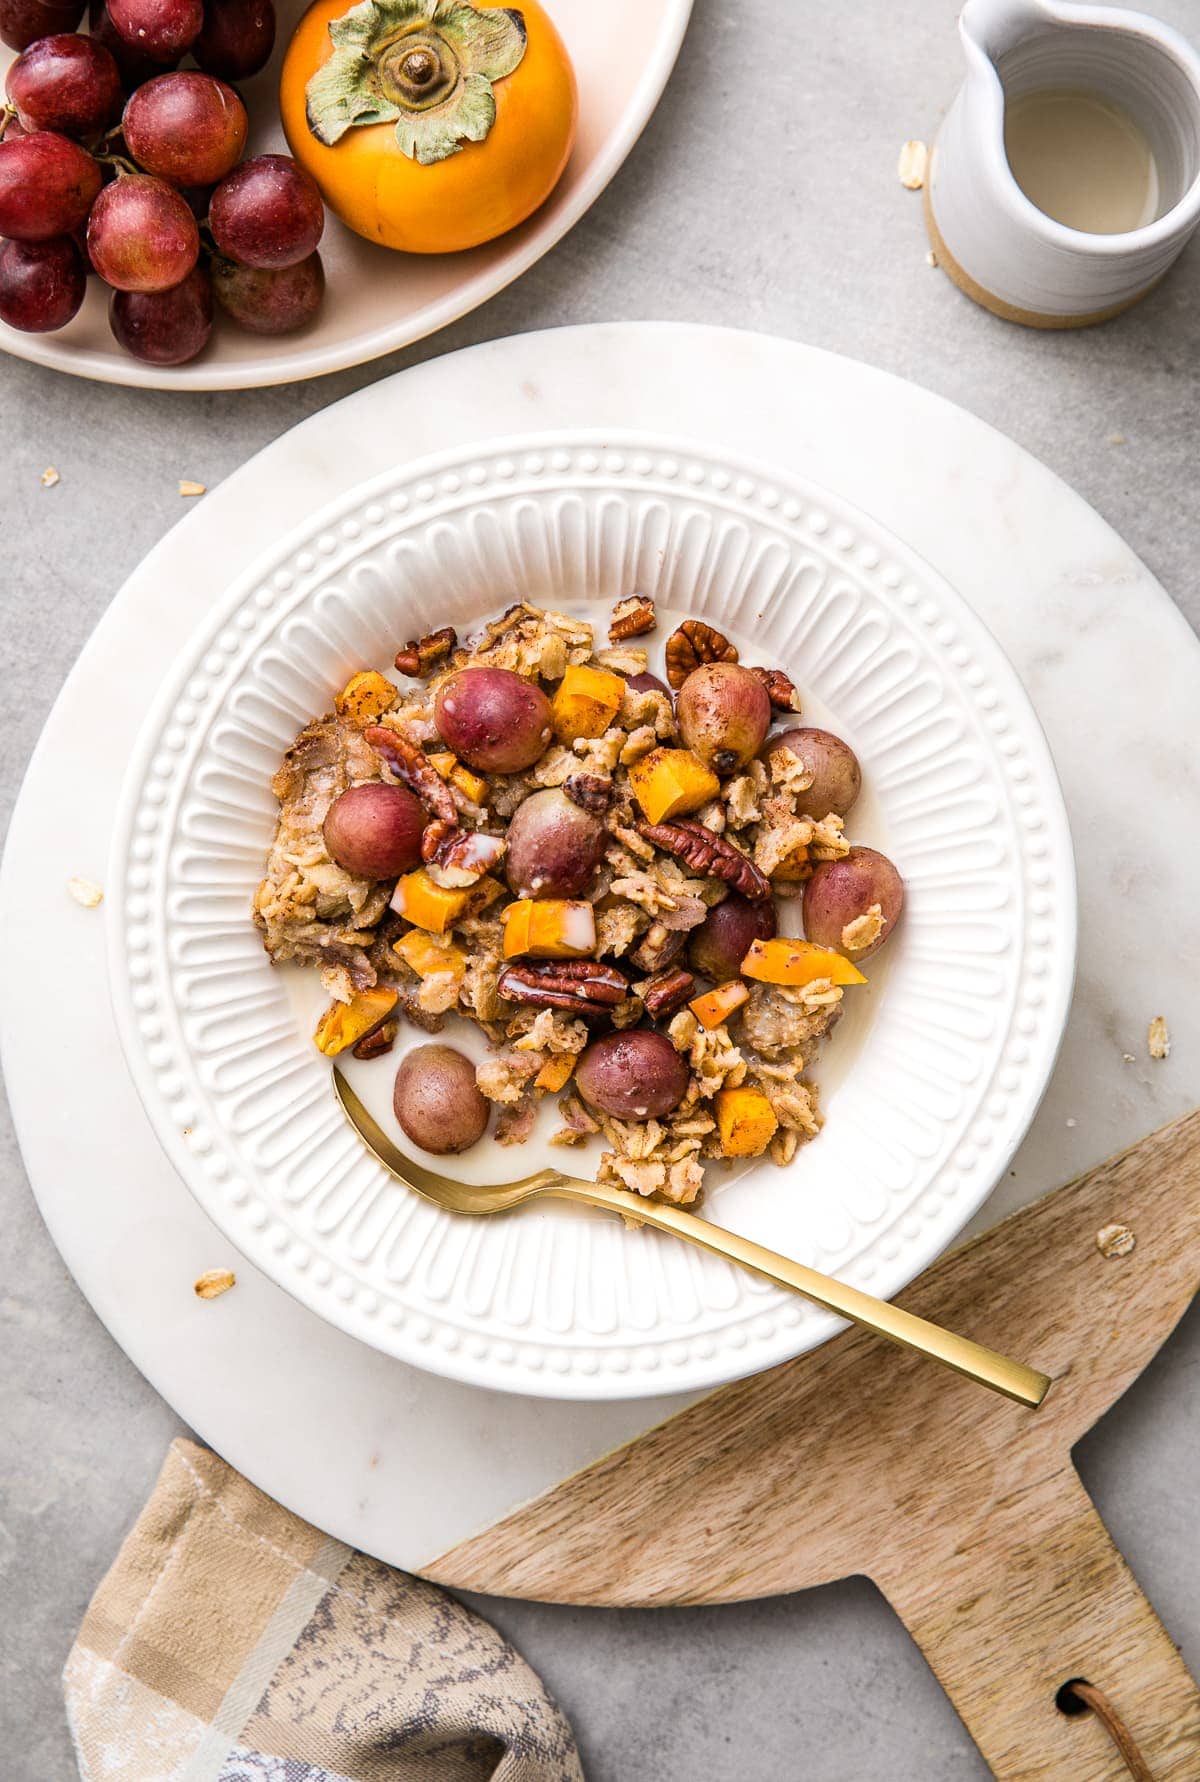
pixel 492 719
pixel 716 949
pixel 265 302
pixel 162 29
pixel 635 1075
pixel 48 185
pixel 141 235
pixel 554 847
pixel 647 683
pixel 237 37
pixel 164 327
pixel 437 1100
pixel 723 713
pixel 374 830
pixel 22 22
pixel 67 82
pixel 861 888
pixel 189 128
pixel 267 212
pixel 41 283
pixel 832 766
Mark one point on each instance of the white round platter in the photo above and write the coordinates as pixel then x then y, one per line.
pixel 930 1082
pixel 396 1460
pixel 376 300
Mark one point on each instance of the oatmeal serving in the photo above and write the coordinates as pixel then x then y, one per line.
pixel 587 861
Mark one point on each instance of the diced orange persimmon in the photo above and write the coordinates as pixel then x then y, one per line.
pixel 344 1023
pixel 548 928
pixel 365 697
pixel 427 958
pixel 468 783
pixel 434 906
pixel 473 784
pixel 746 1122
pixel 717 1005
pixel 555 1073
pixel 586 702
pixel 670 782
pixel 784 961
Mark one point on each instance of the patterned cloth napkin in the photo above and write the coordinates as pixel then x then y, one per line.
pixel 231 1642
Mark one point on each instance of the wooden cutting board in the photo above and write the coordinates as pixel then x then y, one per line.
pixel 965 1509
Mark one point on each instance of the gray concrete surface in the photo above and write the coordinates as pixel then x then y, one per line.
pixel 773 207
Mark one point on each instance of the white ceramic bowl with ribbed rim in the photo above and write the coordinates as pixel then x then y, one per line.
pixel 929 1082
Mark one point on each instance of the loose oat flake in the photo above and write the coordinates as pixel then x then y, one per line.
pixel 1114 1240
pixel 186 488
pixel 213 1282
pixel 1158 1040
pixel 910 168
pixel 85 891
pixel 50 476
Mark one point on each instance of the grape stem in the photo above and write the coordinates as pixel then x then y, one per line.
pixel 120 162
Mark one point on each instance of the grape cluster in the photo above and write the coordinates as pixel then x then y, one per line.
pixel 115 161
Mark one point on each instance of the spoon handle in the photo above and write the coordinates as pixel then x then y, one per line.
pixel 1011 1378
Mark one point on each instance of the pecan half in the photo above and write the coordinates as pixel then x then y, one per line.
pixel 420 657
pixel 413 767
pixel 590 791
pixel 659 947
pixel 461 857
pixel 632 617
pixel 582 985
pixel 694 644
pixel 381 1039
pixel 434 836
pixel 781 691
pixel 709 854
pixel 667 991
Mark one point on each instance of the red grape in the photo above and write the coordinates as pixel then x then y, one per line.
pixel 135 65
pixel 267 212
pixel 141 235
pixel 41 283
pixel 269 302
pixel 163 29
pixel 47 185
pixel 237 37
pixel 22 22
pixel 189 128
pixel 68 83
pixel 164 327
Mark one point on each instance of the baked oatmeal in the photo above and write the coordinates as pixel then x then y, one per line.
pixel 536 833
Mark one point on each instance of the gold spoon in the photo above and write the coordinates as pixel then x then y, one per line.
pixel 1012 1378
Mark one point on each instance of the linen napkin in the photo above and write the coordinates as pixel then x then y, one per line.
pixel 231 1642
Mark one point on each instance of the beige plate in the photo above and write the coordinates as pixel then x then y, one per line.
pixel 377 300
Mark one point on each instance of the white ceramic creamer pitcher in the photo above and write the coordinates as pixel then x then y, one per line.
pixel 994 242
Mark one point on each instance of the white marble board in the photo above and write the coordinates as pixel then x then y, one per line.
pixel 391 1459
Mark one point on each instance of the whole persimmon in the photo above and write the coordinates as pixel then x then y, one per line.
pixel 429 125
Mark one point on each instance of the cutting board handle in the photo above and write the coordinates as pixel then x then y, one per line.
pixel 1035 1594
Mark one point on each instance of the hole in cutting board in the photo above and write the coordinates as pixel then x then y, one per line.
pixel 1066 1700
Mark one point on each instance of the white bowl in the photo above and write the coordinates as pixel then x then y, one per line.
pixel 929 1082
pixel 376 300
